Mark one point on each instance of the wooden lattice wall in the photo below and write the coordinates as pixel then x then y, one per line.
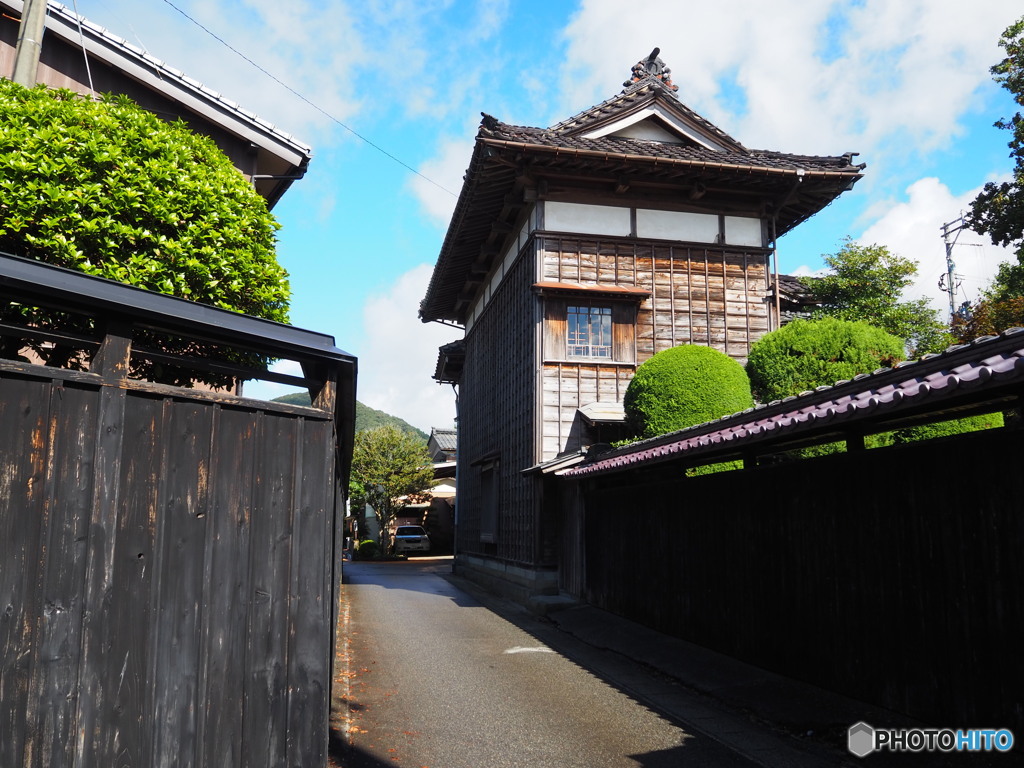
pixel 698 295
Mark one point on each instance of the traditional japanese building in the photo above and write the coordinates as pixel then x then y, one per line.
pixel 577 252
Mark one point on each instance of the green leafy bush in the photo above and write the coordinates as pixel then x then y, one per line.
pixel 947 428
pixel 811 353
pixel 110 189
pixel 714 469
pixel 367 549
pixel 684 386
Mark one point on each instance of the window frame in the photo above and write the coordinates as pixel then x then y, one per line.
pixel 596 313
pixel 623 304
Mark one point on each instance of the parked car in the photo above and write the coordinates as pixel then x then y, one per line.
pixel 411 538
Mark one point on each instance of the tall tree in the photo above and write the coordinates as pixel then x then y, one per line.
pixel 387 465
pixel 998 210
pixel 867 282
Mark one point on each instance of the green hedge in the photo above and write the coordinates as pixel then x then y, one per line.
pixel 109 189
pixel 684 386
pixel 811 353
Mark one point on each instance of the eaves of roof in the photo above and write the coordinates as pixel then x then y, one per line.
pixel 501 151
pixel 172 83
pixel 619 150
pixel 988 370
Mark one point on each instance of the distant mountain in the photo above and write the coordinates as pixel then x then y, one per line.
pixel 366 417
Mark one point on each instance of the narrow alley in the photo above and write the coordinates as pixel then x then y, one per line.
pixel 434 678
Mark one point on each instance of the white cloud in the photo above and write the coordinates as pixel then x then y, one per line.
pixel 913 230
pixel 446 168
pixel 805 271
pixel 400 354
pixel 821 77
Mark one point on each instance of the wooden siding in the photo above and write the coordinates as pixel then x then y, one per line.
pixel 496 419
pixel 699 294
pixel 566 387
pixel 166 587
pixel 716 296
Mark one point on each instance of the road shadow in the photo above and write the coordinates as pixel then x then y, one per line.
pixel 402 575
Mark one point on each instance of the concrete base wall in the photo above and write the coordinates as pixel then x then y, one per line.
pixel 514 582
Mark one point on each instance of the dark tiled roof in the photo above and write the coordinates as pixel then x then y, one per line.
pixel 446 439
pixel 686 153
pixel 62 18
pixel 986 371
pixel 634 97
pixel 794 299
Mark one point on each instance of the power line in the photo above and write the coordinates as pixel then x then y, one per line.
pixel 298 95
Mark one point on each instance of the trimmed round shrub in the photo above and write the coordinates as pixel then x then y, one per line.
pixel 367 549
pixel 811 353
pixel 684 386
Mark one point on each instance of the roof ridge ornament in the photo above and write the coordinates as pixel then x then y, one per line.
pixel 652 66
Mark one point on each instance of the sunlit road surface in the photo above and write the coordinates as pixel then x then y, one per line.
pixel 435 679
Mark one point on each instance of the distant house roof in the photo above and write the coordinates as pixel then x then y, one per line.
pixel 795 299
pixel 643 137
pixel 277 158
pixel 446 439
pixel 985 375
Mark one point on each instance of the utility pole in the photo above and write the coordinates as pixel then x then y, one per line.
pixel 30 43
pixel 948 281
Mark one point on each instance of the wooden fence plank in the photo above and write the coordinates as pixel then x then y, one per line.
pixel 182 553
pixel 266 715
pixel 68 490
pixel 228 588
pixel 310 602
pixel 24 423
pixel 125 637
pixel 104 506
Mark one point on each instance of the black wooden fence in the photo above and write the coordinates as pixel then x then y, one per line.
pixel 894 576
pixel 168 556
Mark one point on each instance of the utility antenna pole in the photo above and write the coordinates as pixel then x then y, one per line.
pixel 30 43
pixel 948 281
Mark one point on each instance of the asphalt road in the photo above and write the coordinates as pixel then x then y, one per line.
pixel 436 679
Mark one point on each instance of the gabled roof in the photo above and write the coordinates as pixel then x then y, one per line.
pixel 643 138
pixel 650 100
pixel 446 439
pixel 277 153
pixel 983 376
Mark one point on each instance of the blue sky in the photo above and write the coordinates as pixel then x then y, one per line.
pixel 903 82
